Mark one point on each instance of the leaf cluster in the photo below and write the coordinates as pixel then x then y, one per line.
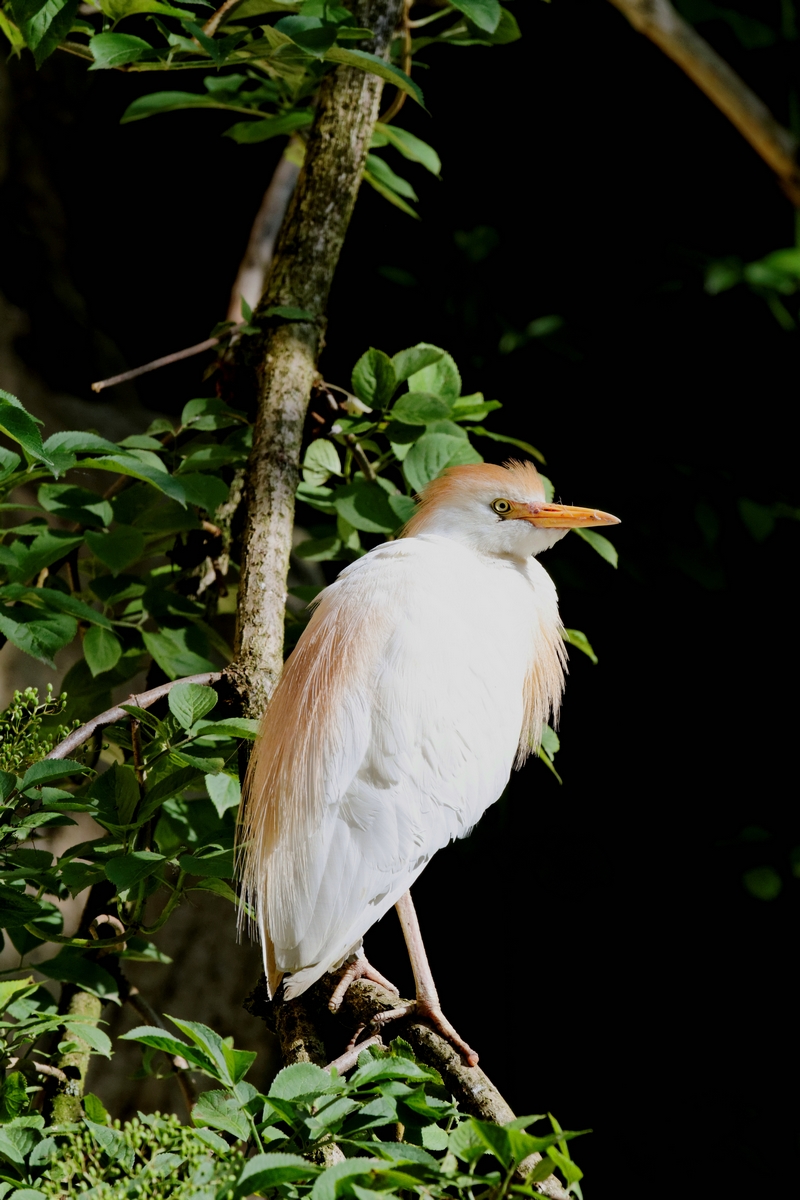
pixel 397 1130
pixel 267 57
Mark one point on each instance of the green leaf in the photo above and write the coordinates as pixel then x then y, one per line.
pixel 116 49
pixel 102 649
pixel 509 441
pixel 9 461
pixel 267 1171
pixel 189 702
pixel 420 408
pixel 39 634
pixel 219 864
pixel 432 454
pixel 320 462
pixel 289 313
pixel 366 506
pixel 600 544
pixel 483 13
pixel 9 988
pixel 13 1098
pixel 75 504
pixel 209 413
pixel 300 1079
pixel 69 966
pixel 764 883
pixel 208 492
pixel 49 769
pixel 389 194
pixel 411 147
pixel 381 171
pixel 116 793
pixel 441 377
pixel 44 25
pixel 140 464
pixel 130 869
pixel 117 549
pixel 319 549
pixel 246 133
pixel 376 66
pixel 310 33
pixel 45 549
pixel 221 1111
pixel 177 651
pixel 373 378
pixel 17 908
pixel 160 102
pixel 415 359
pixel 117 9
pixel 74 441
pixel 99 1041
pixel 224 792
pixel 550 742
pixel 231 727
pixel 570 1170
pixel 580 641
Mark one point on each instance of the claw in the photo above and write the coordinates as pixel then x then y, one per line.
pixel 360 968
pixel 434 1015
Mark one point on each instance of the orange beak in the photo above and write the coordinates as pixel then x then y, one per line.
pixel 560 516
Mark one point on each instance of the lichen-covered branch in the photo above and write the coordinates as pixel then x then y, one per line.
pixel 306 254
pixel 659 21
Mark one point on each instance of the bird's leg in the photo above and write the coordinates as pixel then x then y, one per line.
pixel 359 968
pixel 427 1003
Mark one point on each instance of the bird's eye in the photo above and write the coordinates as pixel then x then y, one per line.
pixel 501 507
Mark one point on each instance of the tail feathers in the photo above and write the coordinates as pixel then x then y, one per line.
pixel 272 971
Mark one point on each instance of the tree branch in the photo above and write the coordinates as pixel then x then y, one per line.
pixel 257 260
pixel 112 715
pixel 306 254
pixel 166 361
pixel 659 21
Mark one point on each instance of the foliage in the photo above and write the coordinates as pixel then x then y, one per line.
pixel 140 573
pixel 394 1124
pixel 278 50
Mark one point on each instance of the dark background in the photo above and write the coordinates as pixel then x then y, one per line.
pixel 595 941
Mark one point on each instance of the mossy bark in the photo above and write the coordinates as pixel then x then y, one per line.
pixel 285 357
pixel 75 1063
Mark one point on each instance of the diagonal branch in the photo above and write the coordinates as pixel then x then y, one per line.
pixel 112 715
pixel 659 21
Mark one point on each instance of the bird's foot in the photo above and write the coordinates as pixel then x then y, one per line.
pixel 433 1014
pixel 359 968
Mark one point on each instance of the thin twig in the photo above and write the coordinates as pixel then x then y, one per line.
pixel 254 267
pixel 149 1014
pixel 659 21
pixel 400 97
pixel 177 356
pixel 360 457
pixel 350 1057
pixel 111 715
pixel 39 1068
pixel 212 24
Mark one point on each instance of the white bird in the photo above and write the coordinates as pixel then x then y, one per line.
pixel 424 675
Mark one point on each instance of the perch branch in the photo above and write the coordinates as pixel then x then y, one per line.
pixel 659 21
pixel 112 715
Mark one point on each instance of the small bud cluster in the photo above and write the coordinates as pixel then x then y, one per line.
pixel 22 739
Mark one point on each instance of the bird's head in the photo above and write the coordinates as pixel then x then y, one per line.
pixel 499 511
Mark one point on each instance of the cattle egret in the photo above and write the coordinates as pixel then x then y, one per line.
pixel 424 675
